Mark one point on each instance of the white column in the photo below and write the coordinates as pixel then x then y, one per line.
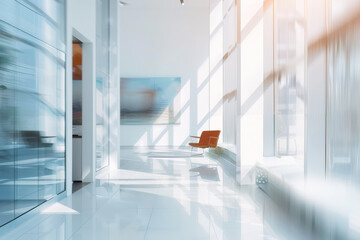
pixel 68 106
pixel 114 116
pixel 269 94
pixel 315 85
pixel 89 112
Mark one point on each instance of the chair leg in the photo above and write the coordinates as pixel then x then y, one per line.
pixel 193 153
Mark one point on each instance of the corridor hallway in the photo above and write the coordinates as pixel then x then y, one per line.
pixel 152 196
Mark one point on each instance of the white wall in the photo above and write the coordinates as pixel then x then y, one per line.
pixel 163 42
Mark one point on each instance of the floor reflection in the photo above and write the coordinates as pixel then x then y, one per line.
pixel 153 198
pixel 207 172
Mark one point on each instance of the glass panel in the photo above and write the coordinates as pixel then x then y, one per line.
pixel 10 14
pixel 48 112
pixel 43 19
pixel 7 113
pixel 289 85
pixel 343 120
pixel 32 105
pixel 26 128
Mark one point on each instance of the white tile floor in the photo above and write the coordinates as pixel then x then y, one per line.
pixel 153 196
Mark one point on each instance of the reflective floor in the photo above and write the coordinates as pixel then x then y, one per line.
pixel 157 194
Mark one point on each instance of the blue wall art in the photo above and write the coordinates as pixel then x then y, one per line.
pixel 149 101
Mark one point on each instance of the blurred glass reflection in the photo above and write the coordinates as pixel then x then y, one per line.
pixel 7 111
pixel 32 105
pixel 289 85
pixel 343 107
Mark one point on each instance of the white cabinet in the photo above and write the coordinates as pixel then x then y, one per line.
pixel 77 165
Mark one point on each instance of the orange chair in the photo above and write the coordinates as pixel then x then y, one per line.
pixel 208 139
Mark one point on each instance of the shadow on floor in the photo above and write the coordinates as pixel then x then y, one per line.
pixel 78 185
pixel 207 172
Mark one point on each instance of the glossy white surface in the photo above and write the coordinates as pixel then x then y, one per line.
pixel 153 196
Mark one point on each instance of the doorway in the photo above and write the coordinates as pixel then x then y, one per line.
pixel 81 85
pixel 77 77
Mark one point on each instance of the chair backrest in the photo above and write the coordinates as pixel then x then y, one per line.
pixel 206 140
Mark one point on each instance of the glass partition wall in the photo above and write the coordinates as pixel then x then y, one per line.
pixel 289 81
pixel 343 112
pixel 32 104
